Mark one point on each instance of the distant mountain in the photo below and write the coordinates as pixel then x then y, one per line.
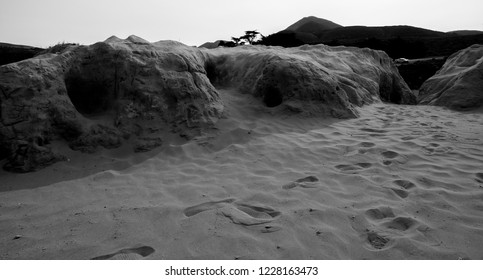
pixel 397 41
pixel 352 33
pixel 312 25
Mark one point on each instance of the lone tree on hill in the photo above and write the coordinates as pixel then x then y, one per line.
pixel 249 38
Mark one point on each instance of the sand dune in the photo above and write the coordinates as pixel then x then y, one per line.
pixel 400 182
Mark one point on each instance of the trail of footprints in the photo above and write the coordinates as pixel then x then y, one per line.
pixel 377 222
pixel 238 212
pixel 388 158
pixel 246 214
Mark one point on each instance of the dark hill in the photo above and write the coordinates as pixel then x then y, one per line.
pixel 465 32
pixel 10 53
pixel 311 24
pixel 397 41
pixel 353 33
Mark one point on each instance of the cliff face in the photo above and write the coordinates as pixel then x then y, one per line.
pixel 459 83
pixel 104 94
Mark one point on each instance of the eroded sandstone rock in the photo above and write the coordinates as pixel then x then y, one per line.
pixel 96 96
pixel 317 80
pixel 459 83
pixel 109 92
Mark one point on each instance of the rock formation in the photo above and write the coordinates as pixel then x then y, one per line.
pixel 459 83
pixel 100 95
pixel 317 80
pixel 131 90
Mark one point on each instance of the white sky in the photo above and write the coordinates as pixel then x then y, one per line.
pixel 193 22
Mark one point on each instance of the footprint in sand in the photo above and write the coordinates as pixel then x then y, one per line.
pixel 128 254
pixel 403 187
pixel 401 193
pixel 366 230
pixel 376 240
pixel 193 210
pixel 401 223
pixel 404 184
pixel 249 215
pixel 353 167
pixel 306 182
pixel 239 213
pixel 380 213
pixel 367 144
pixel 435 148
pixel 479 177
pixel 389 154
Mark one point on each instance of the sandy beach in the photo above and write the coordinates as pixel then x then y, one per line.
pixel 399 182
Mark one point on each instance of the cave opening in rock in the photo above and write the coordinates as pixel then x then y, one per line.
pixel 272 97
pixel 4 152
pixel 211 72
pixel 90 97
pixel 395 96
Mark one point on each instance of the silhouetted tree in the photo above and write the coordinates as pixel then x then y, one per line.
pixel 250 36
pixel 236 40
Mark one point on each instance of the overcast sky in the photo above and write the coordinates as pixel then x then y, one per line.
pixel 193 22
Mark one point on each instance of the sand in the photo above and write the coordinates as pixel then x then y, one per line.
pixel 400 182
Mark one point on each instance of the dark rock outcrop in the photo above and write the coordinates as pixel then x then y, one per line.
pixel 459 83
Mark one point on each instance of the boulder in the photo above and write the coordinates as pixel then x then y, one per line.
pixel 107 93
pixel 458 84
pixel 97 96
pixel 316 80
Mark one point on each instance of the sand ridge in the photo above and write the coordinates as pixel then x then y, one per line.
pixel 400 182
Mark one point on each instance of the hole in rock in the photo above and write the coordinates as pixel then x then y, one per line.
pixel 90 97
pixel 272 97
pixel 211 72
pixel 395 96
pixel 4 152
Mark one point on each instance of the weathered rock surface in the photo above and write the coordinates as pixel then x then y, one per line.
pixel 96 96
pixel 459 83
pixel 103 94
pixel 316 79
